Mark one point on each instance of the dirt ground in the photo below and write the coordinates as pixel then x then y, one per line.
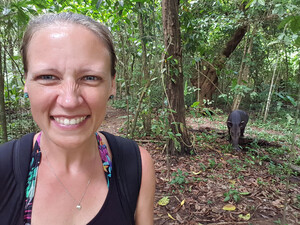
pixel 195 187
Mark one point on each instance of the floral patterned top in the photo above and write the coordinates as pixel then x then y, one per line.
pixel 34 166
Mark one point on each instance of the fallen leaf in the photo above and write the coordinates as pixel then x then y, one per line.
pixel 246 217
pixel 169 215
pixel 182 202
pixel 232 182
pixel 196 173
pixel 229 207
pixel 164 201
pixel 245 193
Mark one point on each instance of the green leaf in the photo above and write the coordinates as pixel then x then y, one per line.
pixel 295 24
pixel 285 21
pixel 227 198
pixel 246 217
pixel 195 104
pixel 249 3
pixel 164 201
pixel 292 100
pixel 261 2
pixel 297 41
pixel 236 197
pixel 245 193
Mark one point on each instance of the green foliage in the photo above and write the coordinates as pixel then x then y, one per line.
pixel 236 165
pixel 206 138
pixel 179 177
pixel 280 170
pixel 197 110
pixel 232 194
pixel 202 166
pixel 206 26
pixel 298 201
pixel 212 163
pixel 297 161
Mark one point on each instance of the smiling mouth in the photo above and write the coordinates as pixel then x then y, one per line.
pixel 67 122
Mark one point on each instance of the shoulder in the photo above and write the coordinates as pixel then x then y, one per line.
pixel 148 172
pixel 145 204
pixel 6 166
pixel 6 153
pixel 15 154
pixel 147 162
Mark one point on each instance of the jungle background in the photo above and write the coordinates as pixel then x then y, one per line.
pixel 183 66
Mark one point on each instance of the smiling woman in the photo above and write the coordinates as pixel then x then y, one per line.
pixel 75 174
pixel 58 60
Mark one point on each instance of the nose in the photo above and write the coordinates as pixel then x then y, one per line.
pixel 69 95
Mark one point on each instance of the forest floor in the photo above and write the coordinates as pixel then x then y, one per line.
pixel 193 188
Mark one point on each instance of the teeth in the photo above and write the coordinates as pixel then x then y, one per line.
pixel 67 122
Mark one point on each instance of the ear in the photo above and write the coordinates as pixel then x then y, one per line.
pixel 229 123
pixel 241 123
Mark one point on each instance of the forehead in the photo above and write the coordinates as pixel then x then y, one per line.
pixel 61 29
pixel 65 33
pixel 65 45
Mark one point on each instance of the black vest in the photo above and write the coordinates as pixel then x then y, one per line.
pixel 120 204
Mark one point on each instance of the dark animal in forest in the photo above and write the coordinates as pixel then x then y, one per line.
pixel 236 123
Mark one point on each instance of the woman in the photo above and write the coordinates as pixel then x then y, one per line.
pixel 75 176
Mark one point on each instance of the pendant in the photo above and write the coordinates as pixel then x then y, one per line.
pixel 78 206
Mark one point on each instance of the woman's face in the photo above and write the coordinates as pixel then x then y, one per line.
pixel 68 82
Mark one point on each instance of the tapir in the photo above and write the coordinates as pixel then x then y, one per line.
pixel 236 123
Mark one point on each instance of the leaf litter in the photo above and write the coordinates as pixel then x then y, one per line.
pixel 208 175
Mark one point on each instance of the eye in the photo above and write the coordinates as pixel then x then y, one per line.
pixel 91 78
pixel 47 77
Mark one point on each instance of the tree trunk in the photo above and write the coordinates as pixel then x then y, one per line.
pixel 2 102
pixel 244 70
pixel 270 92
pixel 138 108
pixel 174 79
pixel 147 116
pixel 209 78
pixel 124 61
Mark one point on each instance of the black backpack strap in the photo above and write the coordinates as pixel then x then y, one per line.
pixel 127 163
pixel 14 165
pixel 22 157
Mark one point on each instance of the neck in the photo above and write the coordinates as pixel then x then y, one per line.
pixel 68 158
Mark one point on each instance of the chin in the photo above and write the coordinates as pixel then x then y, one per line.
pixel 70 141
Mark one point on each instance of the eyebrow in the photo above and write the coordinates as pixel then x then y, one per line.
pixel 46 70
pixel 79 71
pixel 93 70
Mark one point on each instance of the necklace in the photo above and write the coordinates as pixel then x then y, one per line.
pixel 78 204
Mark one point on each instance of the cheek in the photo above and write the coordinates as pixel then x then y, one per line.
pixel 40 98
pixel 96 99
pixel 38 107
pixel 96 94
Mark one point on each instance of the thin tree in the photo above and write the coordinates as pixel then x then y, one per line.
pixel 244 69
pixel 2 102
pixel 271 91
pixel 145 61
pixel 174 79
